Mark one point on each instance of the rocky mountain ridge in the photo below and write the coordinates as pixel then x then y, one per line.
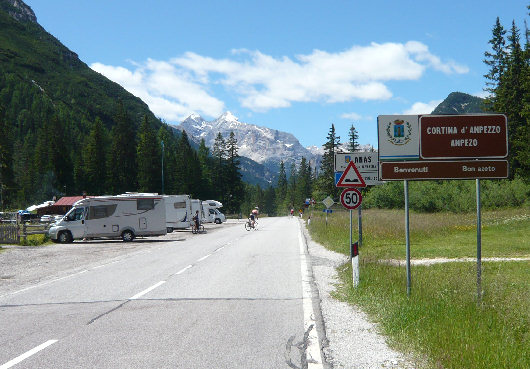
pixel 263 145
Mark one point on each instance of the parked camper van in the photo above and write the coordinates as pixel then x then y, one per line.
pixel 196 204
pixel 178 212
pixel 211 209
pixel 125 216
pixel 178 209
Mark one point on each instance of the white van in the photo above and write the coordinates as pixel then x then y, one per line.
pixel 124 216
pixel 211 209
pixel 178 212
pixel 196 204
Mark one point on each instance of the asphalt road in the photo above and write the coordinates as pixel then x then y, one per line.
pixel 224 299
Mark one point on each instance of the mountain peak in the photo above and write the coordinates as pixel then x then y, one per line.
pixel 18 10
pixel 229 117
pixel 195 117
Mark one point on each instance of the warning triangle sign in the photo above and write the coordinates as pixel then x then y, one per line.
pixel 351 177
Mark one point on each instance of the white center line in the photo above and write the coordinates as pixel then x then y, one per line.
pixel 24 356
pixel 138 295
pixel 204 257
pixel 183 270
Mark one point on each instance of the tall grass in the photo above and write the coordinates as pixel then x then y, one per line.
pixel 432 234
pixel 441 322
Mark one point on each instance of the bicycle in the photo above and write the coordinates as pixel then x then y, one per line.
pixel 194 229
pixel 249 225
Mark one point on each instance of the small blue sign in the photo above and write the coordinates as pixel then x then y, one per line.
pixel 337 177
pixel 329 211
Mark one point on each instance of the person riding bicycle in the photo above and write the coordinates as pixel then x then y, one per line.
pixel 255 211
pixel 252 219
pixel 197 220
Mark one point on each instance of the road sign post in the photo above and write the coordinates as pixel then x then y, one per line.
pixel 432 147
pixel 351 199
pixel 328 202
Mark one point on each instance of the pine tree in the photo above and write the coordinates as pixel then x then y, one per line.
pixel 59 157
pixel 149 159
pixel 234 184
pixel 303 185
pixel 353 139
pixel 496 62
pixel 219 166
pixel 183 166
pixel 513 99
pixel 95 166
pixel 205 162
pixel 326 179
pixel 281 188
pixel 6 161
pixel 121 163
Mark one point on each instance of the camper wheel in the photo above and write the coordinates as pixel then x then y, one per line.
pixel 217 221
pixel 65 237
pixel 169 229
pixel 127 236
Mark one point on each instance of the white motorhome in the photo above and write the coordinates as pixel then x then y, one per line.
pixel 196 204
pixel 125 216
pixel 178 212
pixel 211 209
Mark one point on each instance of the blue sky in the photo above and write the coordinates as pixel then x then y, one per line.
pixel 296 66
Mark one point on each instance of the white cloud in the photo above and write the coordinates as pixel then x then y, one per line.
pixel 422 108
pixel 170 93
pixel 351 116
pixel 261 82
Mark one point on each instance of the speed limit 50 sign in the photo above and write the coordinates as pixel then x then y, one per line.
pixel 351 198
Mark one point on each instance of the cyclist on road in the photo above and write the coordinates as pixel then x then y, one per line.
pixel 196 219
pixel 252 219
pixel 255 211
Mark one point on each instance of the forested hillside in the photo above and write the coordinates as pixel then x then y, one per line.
pixel 65 129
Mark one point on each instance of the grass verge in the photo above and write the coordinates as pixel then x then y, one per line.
pixel 441 321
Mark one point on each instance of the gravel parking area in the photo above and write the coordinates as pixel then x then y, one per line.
pixel 22 266
pixel 352 341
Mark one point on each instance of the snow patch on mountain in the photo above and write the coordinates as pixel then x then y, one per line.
pixel 261 144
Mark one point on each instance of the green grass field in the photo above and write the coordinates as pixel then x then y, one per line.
pixel 441 323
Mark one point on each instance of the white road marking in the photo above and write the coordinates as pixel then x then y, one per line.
pixel 24 356
pixel 204 257
pixel 138 295
pixel 183 270
pixel 220 248
pixel 314 357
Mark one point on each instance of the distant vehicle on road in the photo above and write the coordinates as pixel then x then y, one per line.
pixel 46 219
pixel 124 216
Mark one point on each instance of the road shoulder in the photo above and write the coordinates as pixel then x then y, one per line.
pixel 352 341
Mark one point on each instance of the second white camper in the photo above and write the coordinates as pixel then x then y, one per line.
pixel 112 216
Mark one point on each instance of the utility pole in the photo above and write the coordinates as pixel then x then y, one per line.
pixel 162 167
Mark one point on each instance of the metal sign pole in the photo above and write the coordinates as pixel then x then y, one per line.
pixel 479 245
pixel 407 234
pixel 351 238
pixel 360 224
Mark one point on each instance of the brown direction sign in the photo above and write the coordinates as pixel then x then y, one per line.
pixel 463 136
pixel 461 169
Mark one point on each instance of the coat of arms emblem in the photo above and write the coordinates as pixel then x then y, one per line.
pixel 399 132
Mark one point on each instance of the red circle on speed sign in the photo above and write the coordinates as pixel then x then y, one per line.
pixel 351 198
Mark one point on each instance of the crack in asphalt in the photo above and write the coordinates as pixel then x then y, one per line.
pixel 108 312
pixel 175 299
